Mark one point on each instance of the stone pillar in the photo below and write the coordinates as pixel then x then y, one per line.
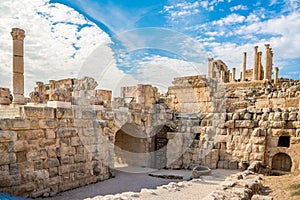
pixel 266 67
pixel 270 64
pixel 276 76
pixel 243 78
pixel 18 36
pixel 255 64
pixel 259 73
pixel 233 74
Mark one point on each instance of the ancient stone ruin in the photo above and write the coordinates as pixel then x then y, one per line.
pixel 71 134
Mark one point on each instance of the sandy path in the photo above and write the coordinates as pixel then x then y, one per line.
pixel 135 182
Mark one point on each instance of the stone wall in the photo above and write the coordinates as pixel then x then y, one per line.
pixel 190 94
pixel 5 96
pixel 235 140
pixel 144 95
pixel 52 150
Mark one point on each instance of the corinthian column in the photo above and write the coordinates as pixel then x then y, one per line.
pixel 259 75
pixel 255 68
pixel 18 36
pixel 276 76
pixel 266 67
pixel 244 66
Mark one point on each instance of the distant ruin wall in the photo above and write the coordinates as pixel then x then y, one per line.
pixel 231 140
pixel 42 153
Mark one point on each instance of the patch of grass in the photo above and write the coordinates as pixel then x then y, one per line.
pixel 297 193
pixel 295 186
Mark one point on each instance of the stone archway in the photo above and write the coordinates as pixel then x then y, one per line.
pixel 282 162
pixel 131 146
pixel 160 142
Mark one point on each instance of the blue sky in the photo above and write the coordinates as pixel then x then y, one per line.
pixel 215 24
pixel 149 41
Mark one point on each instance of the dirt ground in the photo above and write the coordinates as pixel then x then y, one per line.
pixel 279 187
pixel 126 181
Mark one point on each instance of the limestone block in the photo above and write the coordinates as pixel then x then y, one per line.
pixel 280 132
pixel 34 155
pixel 7 158
pixel 258 132
pixel 31 134
pixel 8 136
pixel 244 124
pixel 76 141
pixel 66 132
pixel 46 142
pixel 258 140
pixel 277 124
pixel 20 124
pixel 5 101
pixel 59 104
pixel 66 151
pixel 292 116
pixel 20 145
pixel 64 113
pixel 47 123
pixel 38 112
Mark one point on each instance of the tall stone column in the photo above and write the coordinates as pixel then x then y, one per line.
pixel 259 73
pixel 233 74
pixel 243 78
pixel 18 36
pixel 270 64
pixel 266 67
pixel 276 76
pixel 255 68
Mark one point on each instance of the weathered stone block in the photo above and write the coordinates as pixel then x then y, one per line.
pixel 8 158
pixel 64 113
pixel 37 154
pixel 31 135
pixel 75 141
pixel 277 124
pixel 38 112
pixel 48 123
pixel 51 163
pixel 20 124
pixel 8 136
pixel 66 132
pixel 244 124
pixel 20 145
pixel 50 133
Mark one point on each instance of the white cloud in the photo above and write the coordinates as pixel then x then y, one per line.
pixel 229 20
pixel 238 7
pixel 181 10
pixel 58 40
pixel 167 68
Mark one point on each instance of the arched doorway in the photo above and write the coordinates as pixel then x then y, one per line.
pixel 160 147
pixel 131 146
pixel 282 162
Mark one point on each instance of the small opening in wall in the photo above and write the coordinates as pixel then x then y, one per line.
pixel 284 141
pixel 197 136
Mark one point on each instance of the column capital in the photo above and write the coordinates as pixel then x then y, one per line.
pixel 17 34
pixel 267 46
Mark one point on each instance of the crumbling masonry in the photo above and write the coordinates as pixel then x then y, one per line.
pixel 70 134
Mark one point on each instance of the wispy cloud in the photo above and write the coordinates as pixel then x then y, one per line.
pixel 238 7
pixel 229 20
